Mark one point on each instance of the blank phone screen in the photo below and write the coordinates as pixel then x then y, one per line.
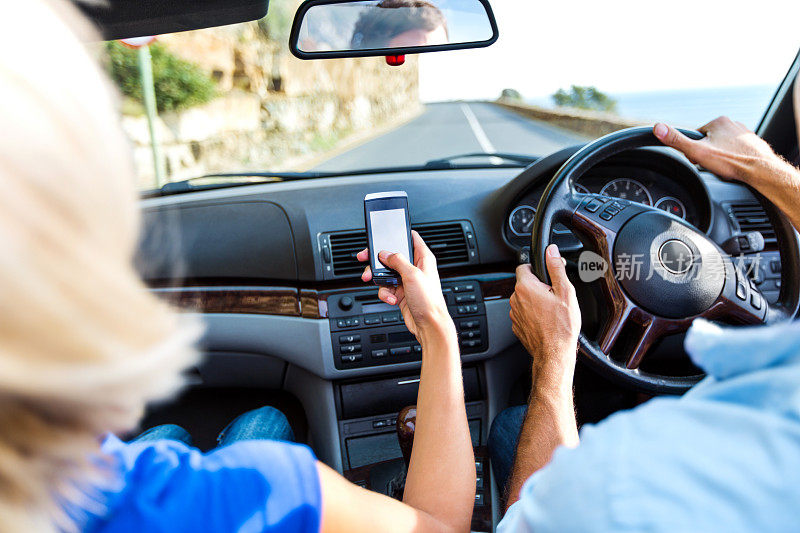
pixel 389 233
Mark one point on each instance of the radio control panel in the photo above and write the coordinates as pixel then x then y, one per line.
pixel 366 332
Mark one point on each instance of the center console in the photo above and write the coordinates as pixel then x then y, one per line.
pixel 366 332
pixel 371 453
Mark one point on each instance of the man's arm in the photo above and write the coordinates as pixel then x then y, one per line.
pixel 440 485
pixel 547 320
pixel 731 151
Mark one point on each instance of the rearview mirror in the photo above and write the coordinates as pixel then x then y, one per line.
pixel 340 28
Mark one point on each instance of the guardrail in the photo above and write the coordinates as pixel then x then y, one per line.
pixel 589 123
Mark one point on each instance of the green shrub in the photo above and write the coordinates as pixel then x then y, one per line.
pixel 510 94
pixel 585 98
pixel 178 83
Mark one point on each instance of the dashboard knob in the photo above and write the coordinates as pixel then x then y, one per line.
pixel 346 303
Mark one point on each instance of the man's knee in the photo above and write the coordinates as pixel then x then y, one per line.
pixel 506 426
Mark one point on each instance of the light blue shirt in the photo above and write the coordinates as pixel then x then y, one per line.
pixel 724 457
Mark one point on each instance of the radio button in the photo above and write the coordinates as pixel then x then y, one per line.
pixel 379 353
pixel 470 334
pixel 371 320
pixel 405 350
pixel 471 343
pixel 351 358
pixel 349 339
pixel 470 324
pixel 350 348
pixel 390 317
pixel 462 298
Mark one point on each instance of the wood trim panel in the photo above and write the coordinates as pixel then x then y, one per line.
pixel 291 301
pixel 282 301
pixel 313 304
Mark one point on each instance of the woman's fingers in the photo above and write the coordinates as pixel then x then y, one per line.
pixel 387 295
pixel 366 277
pixel 363 255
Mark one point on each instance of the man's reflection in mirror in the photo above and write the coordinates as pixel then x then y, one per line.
pixel 400 23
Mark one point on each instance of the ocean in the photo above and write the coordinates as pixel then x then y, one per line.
pixel 691 108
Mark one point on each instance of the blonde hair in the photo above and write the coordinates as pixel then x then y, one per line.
pixel 83 344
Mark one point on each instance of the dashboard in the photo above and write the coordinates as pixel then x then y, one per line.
pixel 270 263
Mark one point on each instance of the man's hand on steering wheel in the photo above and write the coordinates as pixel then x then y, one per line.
pixel 732 151
pixel 547 320
pixel 729 149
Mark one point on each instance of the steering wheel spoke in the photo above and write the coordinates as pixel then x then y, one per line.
pixel 614 326
pixel 741 301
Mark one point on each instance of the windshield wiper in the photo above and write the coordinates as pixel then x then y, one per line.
pixel 235 179
pixel 496 159
pixel 231 179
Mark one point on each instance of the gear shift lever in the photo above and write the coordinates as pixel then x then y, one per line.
pixel 406 422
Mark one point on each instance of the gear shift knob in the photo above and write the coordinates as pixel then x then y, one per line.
pixel 406 422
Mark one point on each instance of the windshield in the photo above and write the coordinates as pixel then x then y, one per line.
pixel 233 99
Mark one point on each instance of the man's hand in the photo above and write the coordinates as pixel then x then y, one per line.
pixel 547 319
pixel 729 149
pixel 419 296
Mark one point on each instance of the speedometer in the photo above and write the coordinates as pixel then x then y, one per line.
pixel 521 220
pixel 627 189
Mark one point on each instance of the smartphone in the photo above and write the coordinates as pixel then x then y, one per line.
pixel 389 229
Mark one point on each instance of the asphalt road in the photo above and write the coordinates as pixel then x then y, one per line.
pixel 451 128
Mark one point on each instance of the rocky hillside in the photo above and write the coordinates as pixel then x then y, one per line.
pixel 273 110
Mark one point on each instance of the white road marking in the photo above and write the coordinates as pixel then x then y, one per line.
pixel 480 135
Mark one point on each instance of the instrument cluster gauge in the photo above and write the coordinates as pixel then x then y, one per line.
pixel 627 189
pixel 672 205
pixel 521 220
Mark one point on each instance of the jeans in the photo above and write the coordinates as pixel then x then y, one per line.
pixel 265 423
pixel 503 437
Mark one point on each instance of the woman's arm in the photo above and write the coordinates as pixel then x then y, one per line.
pixel 731 151
pixel 440 486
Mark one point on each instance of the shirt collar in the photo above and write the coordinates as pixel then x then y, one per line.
pixel 725 352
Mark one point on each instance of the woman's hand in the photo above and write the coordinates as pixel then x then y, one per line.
pixel 547 320
pixel 419 295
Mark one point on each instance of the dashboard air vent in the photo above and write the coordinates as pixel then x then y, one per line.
pixel 344 247
pixel 448 242
pixel 750 216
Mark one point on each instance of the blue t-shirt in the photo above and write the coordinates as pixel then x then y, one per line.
pixel 724 457
pixel 248 486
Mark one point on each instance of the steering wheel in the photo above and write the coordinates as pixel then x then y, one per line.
pixel 657 272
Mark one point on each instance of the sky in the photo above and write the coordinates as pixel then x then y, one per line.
pixel 620 46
